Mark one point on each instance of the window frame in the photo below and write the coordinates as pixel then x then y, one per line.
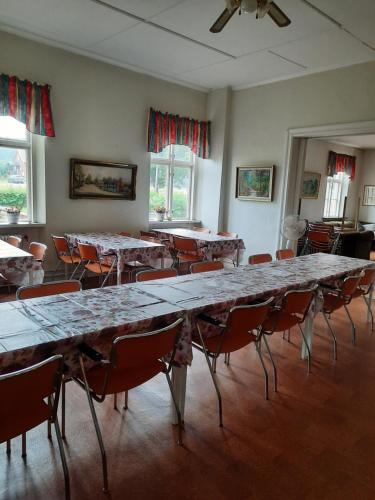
pixel 171 163
pixel 343 185
pixel 27 145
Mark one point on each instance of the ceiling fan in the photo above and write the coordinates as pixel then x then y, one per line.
pixel 261 7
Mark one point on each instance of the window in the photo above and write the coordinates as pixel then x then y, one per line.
pixel 171 181
pixel 337 189
pixel 15 169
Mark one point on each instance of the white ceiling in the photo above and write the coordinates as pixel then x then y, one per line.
pixel 170 39
pixel 355 141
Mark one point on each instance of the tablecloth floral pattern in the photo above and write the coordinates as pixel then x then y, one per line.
pixel 15 264
pixel 36 328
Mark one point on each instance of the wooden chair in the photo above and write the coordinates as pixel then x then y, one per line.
pixel 156 274
pixel 260 258
pixel 38 250
pixel 94 263
pixel 319 238
pixel 200 229
pixel 45 289
pixel 65 255
pixel 14 241
pixel 186 250
pixel 235 334
pixel 364 289
pixel 150 234
pixel 23 406
pixel 284 253
pixel 133 360
pixel 202 267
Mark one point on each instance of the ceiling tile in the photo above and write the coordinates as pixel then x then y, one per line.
pixel 147 47
pixel 243 34
pixel 247 70
pixel 144 8
pixel 76 22
pixel 358 16
pixel 330 49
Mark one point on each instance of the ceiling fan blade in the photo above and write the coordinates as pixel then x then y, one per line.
pixel 222 20
pixel 278 16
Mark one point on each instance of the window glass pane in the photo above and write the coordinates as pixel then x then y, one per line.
pixel 13 181
pixel 158 187
pixel 181 192
pixel 182 153
pixel 12 129
pixel 163 154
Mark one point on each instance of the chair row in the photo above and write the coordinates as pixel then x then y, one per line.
pixel 262 258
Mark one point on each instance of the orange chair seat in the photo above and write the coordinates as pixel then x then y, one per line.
pixel 278 321
pixel 230 343
pixel 18 422
pixel 332 302
pixel 121 380
pixel 189 257
pixel 94 267
pixel 75 259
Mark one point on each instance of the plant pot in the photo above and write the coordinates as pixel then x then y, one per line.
pixel 13 217
pixel 159 216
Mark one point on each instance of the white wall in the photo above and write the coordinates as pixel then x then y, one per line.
pixel 367 213
pixel 316 161
pixel 100 112
pixel 260 119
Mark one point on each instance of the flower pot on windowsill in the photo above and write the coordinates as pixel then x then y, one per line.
pixel 13 217
pixel 160 216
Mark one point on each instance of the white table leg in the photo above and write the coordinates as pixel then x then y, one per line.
pixel 119 270
pixel 31 277
pixel 308 331
pixel 179 375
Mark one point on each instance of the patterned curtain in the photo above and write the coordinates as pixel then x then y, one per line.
pixel 27 102
pixel 341 163
pixel 165 129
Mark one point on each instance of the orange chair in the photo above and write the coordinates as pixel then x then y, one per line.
pixel 228 234
pixel 335 298
pixel 156 274
pixel 235 334
pixel 134 359
pixel 14 241
pixel 292 312
pixel 200 229
pixel 186 250
pixel 125 233
pixel 65 255
pixel 364 288
pixel 150 234
pixel 284 253
pixel 45 289
pixel 151 239
pixel 38 250
pixel 260 258
pixel 202 267
pixel 232 258
pixel 23 406
pixel 92 262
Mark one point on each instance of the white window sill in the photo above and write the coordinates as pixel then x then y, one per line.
pixel 174 223
pixel 6 225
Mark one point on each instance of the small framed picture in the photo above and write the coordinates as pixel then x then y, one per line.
pixel 254 183
pixel 310 185
pixel 102 180
pixel 369 195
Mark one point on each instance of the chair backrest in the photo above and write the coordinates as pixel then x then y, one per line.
pixel 14 241
pixel 141 350
pixel 156 274
pixel 184 244
pixel 260 258
pixel 297 302
pixel 201 229
pixel 228 234
pixel 368 278
pixel 22 394
pixel 88 252
pixel 61 245
pixel 44 289
pixel 125 233
pixel 319 236
pixel 202 267
pixel 284 253
pixel 150 234
pixel 350 285
pixel 38 250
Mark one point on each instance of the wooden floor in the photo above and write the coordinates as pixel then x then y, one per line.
pixel 314 439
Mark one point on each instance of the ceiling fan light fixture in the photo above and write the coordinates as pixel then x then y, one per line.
pixel 249 6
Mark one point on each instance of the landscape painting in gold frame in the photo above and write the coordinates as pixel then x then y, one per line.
pixel 254 183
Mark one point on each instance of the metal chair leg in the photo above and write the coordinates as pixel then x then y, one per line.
pixel 227 358
pixel 352 324
pixel 333 336
pixel 289 335
pixel 368 304
pixel 63 396
pixel 24 445
pixel 214 365
pixel 63 459
pixel 273 364
pixel 75 270
pixel 115 401
pixel 8 447
pixel 258 349
pixel 307 349
pixel 176 408
pixel 126 400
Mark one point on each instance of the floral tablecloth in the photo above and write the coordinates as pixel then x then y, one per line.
pixel 18 266
pixel 211 245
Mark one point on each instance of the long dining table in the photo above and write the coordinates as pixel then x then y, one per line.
pixel 34 329
pixel 19 266
pixel 125 248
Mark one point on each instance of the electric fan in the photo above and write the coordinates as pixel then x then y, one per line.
pixel 292 228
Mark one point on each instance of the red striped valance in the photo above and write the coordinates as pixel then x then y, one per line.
pixel 341 163
pixel 165 129
pixel 27 102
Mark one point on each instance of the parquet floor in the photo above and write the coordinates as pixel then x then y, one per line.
pixel 314 439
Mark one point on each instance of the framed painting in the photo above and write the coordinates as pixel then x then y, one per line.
pixel 254 183
pixel 310 185
pixel 102 180
pixel 369 195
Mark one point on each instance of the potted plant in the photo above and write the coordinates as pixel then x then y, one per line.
pixel 160 212
pixel 13 214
